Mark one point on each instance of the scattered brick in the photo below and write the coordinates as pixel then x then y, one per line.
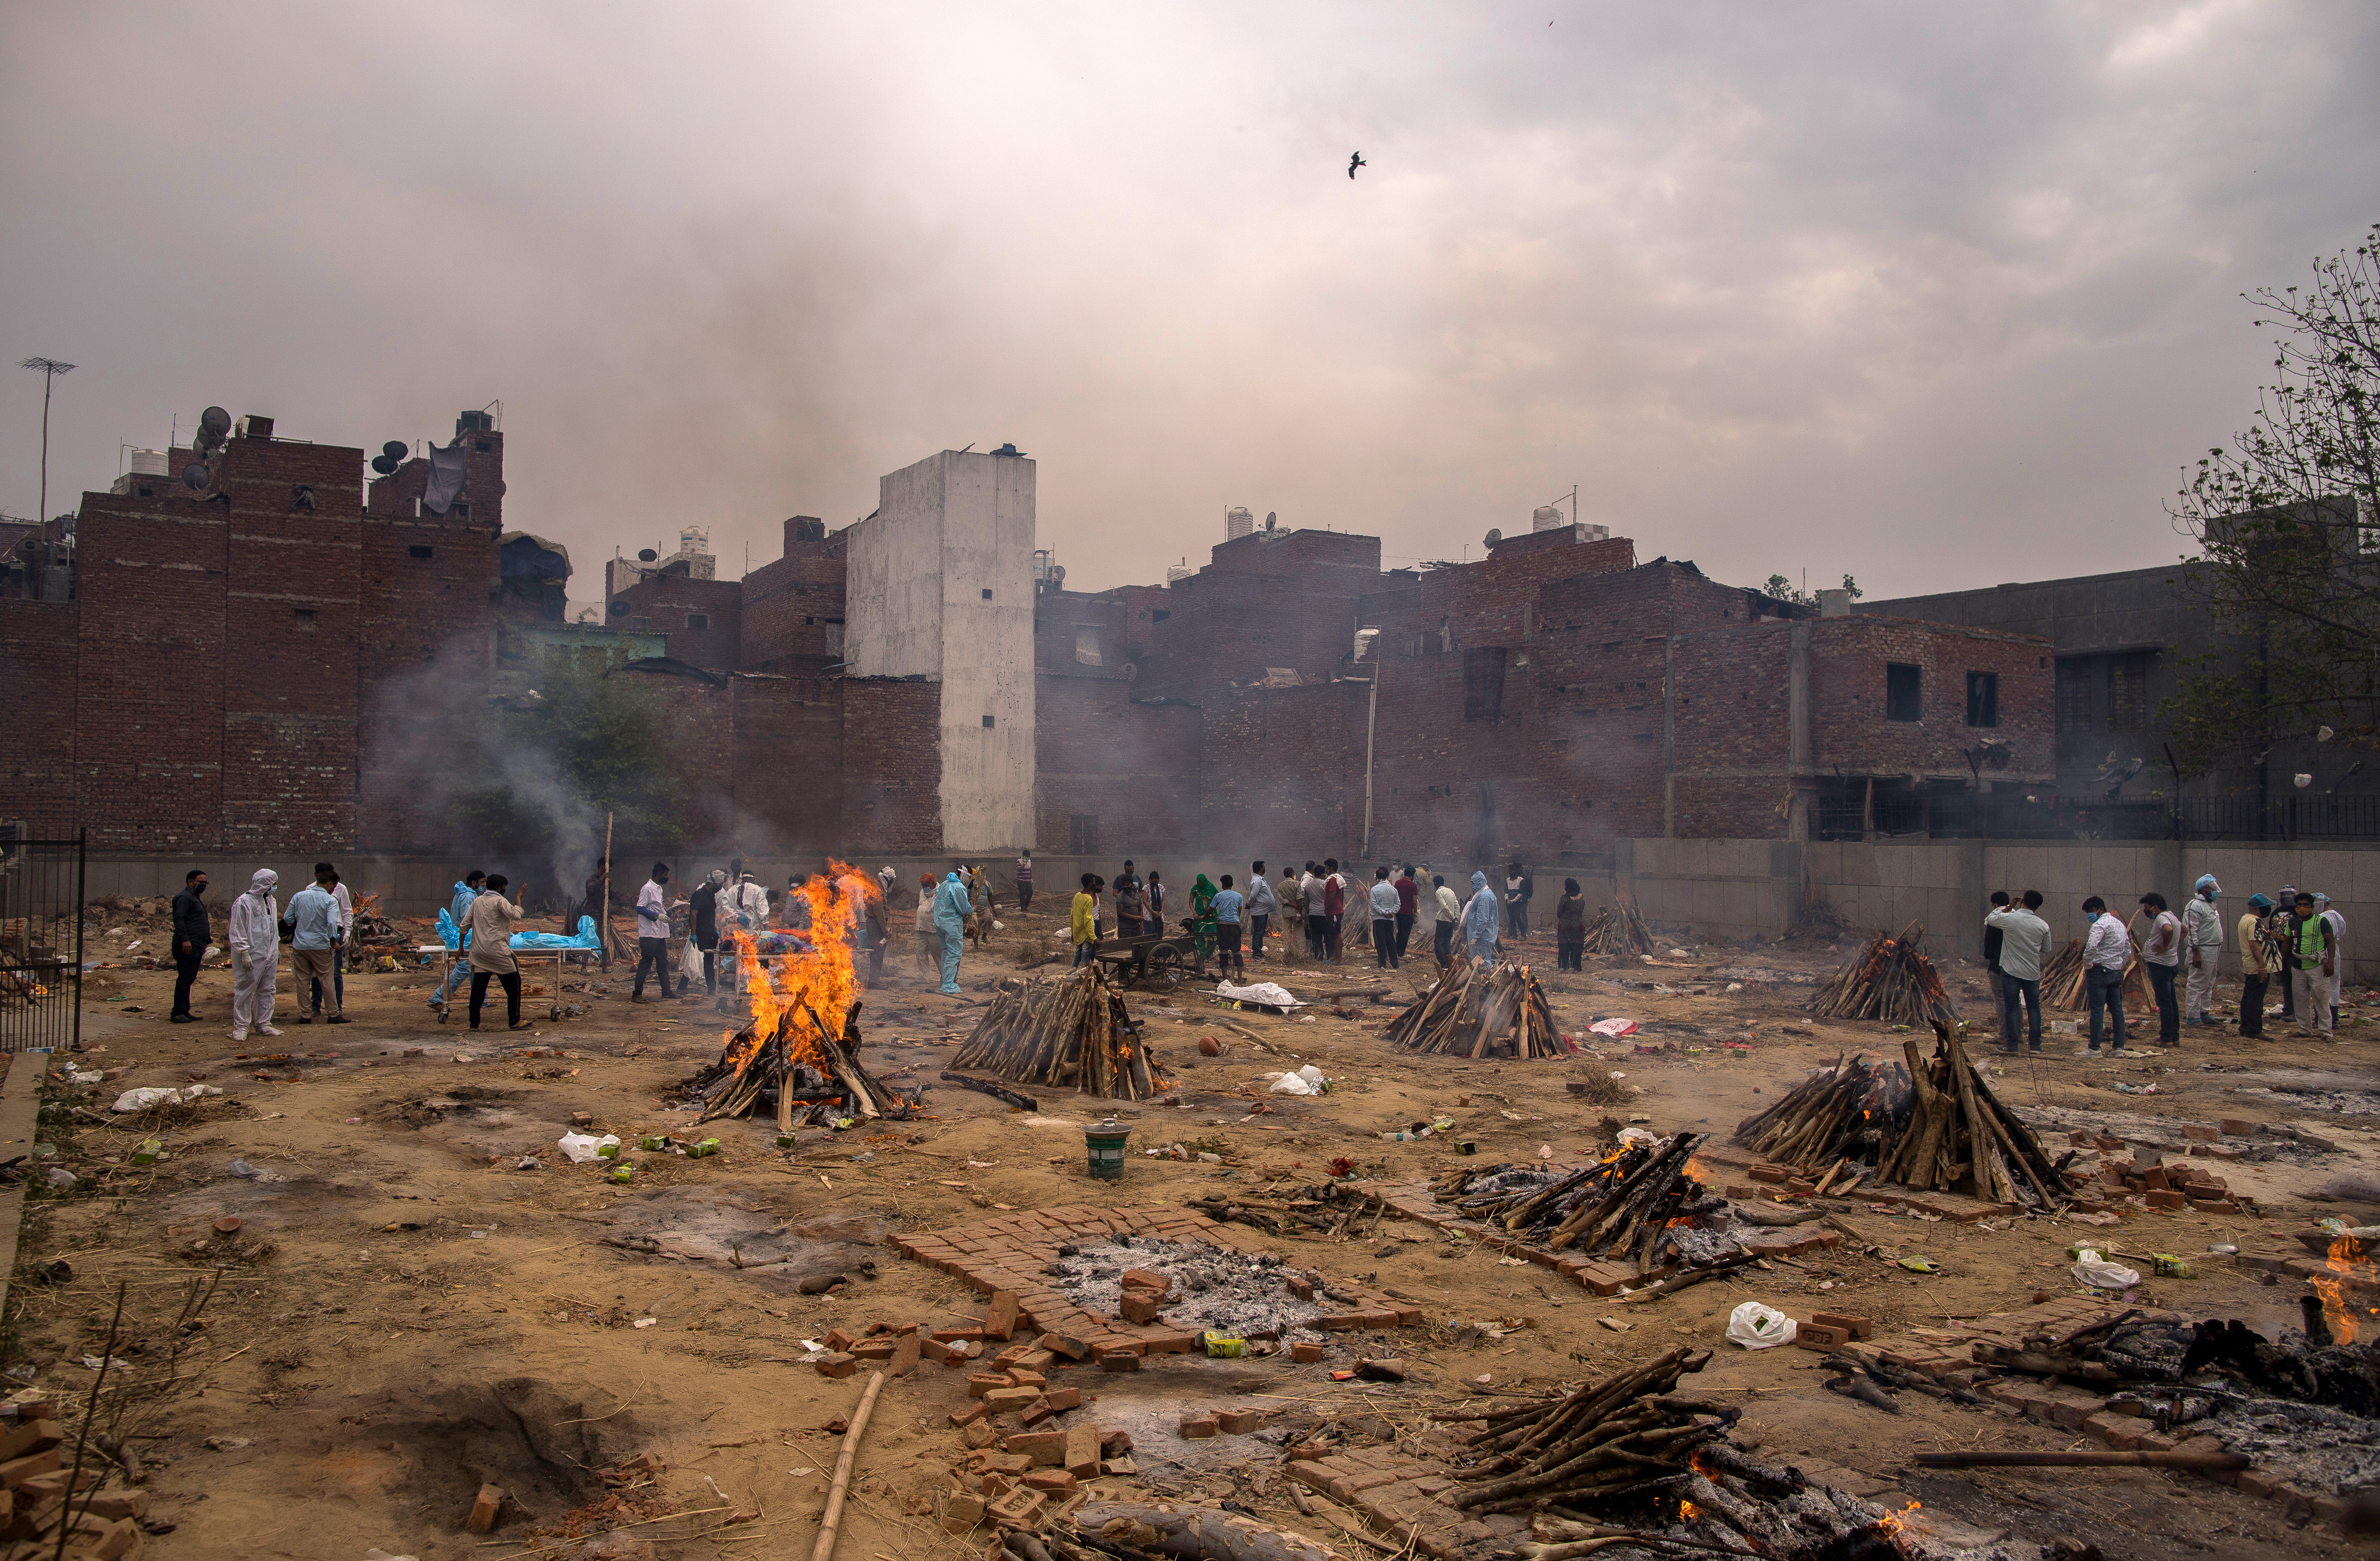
pixel 1196 1428
pixel 485 1507
pixel 1305 1352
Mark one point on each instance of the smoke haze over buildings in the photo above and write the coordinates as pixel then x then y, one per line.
pixel 1920 293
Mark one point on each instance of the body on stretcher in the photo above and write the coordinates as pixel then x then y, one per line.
pixel 525 947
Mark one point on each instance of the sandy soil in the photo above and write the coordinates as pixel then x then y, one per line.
pixel 406 1314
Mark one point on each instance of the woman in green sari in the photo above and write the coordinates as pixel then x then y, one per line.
pixel 1202 916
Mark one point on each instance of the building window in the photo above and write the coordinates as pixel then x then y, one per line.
pixel 1159 615
pixel 1483 683
pixel 417 551
pixel 697 620
pixel 1082 834
pixel 986 723
pixel 986 593
pixel 1903 686
pixel 2128 691
pixel 1983 699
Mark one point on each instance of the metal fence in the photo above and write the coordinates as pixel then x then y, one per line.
pixel 41 942
pixel 1988 815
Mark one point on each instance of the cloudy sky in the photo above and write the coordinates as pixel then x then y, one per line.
pixel 1938 294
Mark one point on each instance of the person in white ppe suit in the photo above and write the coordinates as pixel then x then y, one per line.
pixel 2201 941
pixel 743 908
pixel 255 940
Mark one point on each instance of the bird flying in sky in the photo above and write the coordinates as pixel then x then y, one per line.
pixel 1355 163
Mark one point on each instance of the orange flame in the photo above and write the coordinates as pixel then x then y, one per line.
pixel 1689 1511
pixel 2344 1325
pixel 1891 1521
pixel 823 982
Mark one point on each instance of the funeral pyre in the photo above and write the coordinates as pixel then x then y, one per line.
pixel 1071 1032
pixel 800 1054
pixel 1889 979
pixel 1481 1009
pixel 1619 930
pixel 1933 1124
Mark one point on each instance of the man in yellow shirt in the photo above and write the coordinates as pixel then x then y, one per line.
pixel 2257 958
pixel 1086 928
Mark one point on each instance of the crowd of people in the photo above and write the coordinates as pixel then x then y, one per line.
pixel 2297 939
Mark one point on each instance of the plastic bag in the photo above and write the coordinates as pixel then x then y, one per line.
pixel 1615 1028
pixel 141 1099
pixel 1755 1326
pixel 2099 1274
pixel 1291 1084
pixel 689 965
pixel 581 1147
pixel 1630 1136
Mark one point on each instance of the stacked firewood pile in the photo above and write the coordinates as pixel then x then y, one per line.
pixel 1839 1113
pixel 1069 1033
pixel 1628 1436
pixel 1480 1008
pixel 1619 1208
pixel 2061 982
pixel 1890 980
pixel 807 1072
pixel 1957 1130
pixel 1619 930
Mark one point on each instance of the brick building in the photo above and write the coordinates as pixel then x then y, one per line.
pixel 236 662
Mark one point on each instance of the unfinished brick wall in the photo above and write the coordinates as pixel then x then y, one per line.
pixel 40 646
pixel 1848 729
pixel 892 769
pixel 702 620
pixel 787 766
pixel 1113 775
pixel 791 611
pixel 147 712
pixel 1273 773
pixel 1288 600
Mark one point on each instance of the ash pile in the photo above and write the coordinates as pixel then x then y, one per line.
pixel 1247 1295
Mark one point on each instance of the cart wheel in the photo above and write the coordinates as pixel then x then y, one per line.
pixel 442 1013
pixel 1164 969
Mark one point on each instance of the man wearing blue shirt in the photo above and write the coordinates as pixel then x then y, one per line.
pixel 314 938
pixel 465 892
pixel 1228 903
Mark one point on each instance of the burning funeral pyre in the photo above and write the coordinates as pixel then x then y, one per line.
pixel 1890 980
pixel 793 1056
pixel 1933 1125
pixel 1072 1032
pixel 1621 1207
pixel 1481 1009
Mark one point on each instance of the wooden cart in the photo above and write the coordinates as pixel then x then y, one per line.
pixel 1156 961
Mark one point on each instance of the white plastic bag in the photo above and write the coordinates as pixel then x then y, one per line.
pixel 141 1099
pixel 2099 1274
pixel 1291 1084
pixel 1272 994
pixel 1755 1326
pixel 581 1147
pixel 1314 1076
pixel 689 965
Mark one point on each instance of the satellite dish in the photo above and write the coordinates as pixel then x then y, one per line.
pixel 620 607
pixel 1130 670
pixel 215 427
pixel 196 475
pixel 1494 534
pixel 391 457
pixel 645 555
pixel 1272 518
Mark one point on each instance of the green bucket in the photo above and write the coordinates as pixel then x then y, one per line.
pixel 1106 1142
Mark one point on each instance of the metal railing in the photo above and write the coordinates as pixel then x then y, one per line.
pixel 41 942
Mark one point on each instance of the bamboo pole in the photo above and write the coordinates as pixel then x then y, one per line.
pixel 825 1546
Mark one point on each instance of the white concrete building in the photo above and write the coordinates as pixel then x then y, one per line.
pixel 940 584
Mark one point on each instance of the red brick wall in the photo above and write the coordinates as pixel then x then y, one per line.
pixel 148 711
pixel 664 603
pixel 1274 778
pixel 892 768
pixel 793 609
pixel 1847 725
pixel 788 765
pixel 1134 767
pixel 40 646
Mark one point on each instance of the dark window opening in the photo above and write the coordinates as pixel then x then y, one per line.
pixel 986 593
pixel 986 723
pixel 1903 687
pixel 1159 615
pixel 481 445
pixel 419 551
pixel 697 620
pixel 1483 683
pixel 1983 699
pixel 2128 691
pixel 809 619
pixel 148 492
pixel 305 614
pixel 835 619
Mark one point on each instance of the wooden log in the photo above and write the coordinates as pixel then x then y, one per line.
pixel 2093 1460
pixel 824 1549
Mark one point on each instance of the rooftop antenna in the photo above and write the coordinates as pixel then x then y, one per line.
pixel 49 369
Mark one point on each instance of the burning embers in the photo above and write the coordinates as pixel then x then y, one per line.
pixel 793 1053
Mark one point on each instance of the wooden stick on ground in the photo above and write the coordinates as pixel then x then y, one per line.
pixel 827 1526
pixel 2084 1460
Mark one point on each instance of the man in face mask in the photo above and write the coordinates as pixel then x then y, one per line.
pixel 705 902
pixel 2106 955
pixel 190 938
pixel 1479 918
pixel 952 909
pixel 255 940
pixel 742 909
pixel 653 933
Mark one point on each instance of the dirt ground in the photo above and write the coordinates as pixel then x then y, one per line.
pixel 405 1312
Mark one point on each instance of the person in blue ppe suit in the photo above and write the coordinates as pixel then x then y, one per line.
pixel 465 892
pixel 1479 918
pixel 952 906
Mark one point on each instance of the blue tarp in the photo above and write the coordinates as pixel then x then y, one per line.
pixel 584 938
